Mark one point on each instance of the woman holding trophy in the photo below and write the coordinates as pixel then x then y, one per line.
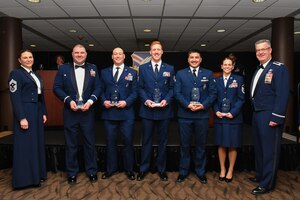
pixel 228 117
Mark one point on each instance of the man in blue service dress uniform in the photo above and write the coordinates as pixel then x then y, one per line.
pixel 269 95
pixel 119 92
pixel 156 93
pixel 195 90
pixel 77 84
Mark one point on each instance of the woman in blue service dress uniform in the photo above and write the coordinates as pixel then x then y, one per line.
pixel 28 104
pixel 228 117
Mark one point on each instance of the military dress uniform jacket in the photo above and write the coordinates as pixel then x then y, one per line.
pixel 127 88
pixel 234 92
pixel 23 89
pixel 65 86
pixel 184 83
pixel 271 93
pixel 146 85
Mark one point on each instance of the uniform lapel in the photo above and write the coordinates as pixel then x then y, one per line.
pixel 27 74
pixel 86 77
pixel 73 78
pixel 122 76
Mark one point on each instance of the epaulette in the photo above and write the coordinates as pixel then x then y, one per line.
pixel 277 63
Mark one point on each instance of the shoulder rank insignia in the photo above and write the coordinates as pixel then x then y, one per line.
pixel 277 63
pixel 12 85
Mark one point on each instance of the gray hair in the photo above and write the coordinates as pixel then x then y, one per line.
pixel 263 41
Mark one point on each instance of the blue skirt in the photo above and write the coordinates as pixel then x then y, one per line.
pixel 228 135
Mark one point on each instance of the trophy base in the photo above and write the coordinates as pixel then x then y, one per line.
pixel 114 103
pixel 195 102
pixel 224 114
pixel 79 107
pixel 156 105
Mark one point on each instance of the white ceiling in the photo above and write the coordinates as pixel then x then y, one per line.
pixel 179 24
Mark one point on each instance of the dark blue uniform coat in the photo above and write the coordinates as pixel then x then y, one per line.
pixel 29 164
pixel 194 123
pixel 228 131
pixel 152 117
pixel 269 102
pixel 119 119
pixel 65 88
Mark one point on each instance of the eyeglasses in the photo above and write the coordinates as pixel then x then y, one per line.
pixel 265 49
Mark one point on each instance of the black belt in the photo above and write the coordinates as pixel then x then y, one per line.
pixel 40 97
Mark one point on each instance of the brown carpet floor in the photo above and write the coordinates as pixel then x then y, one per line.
pixel 119 187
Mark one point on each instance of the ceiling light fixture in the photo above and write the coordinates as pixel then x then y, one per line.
pixel 203 45
pixel 146 45
pixel 147 30
pixel 73 31
pixel 91 45
pixel 33 45
pixel 34 1
pixel 258 1
pixel 221 30
pixel 297 33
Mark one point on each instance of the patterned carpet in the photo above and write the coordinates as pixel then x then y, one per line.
pixel 119 187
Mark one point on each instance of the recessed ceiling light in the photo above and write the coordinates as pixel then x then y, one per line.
pixel 33 45
pixel 146 45
pixel 34 1
pixel 73 31
pixel 221 30
pixel 297 33
pixel 258 1
pixel 203 45
pixel 91 45
pixel 147 30
pixel 146 0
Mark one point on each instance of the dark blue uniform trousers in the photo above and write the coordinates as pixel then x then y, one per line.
pixel 188 128
pixel 113 128
pixel 267 141
pixel 74 124
pixel 148 131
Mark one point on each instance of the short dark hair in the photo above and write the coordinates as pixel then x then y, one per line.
pixel 194 51
pixel 22 51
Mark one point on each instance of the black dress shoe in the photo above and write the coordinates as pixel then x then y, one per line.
pixel 221 178
pixel 253 180
pixel 163 176
pixel 130 175
pixel 107 175
pixel 93 178
pixel 181 178
pixel 43 180
pixel 228 180
pixel 141 176
pixel 260 190
pixel 202 179
pixel 72 180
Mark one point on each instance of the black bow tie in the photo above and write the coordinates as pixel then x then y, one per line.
pixel 260 67
pixel 78 66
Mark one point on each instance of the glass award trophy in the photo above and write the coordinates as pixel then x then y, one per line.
pixel 114 97
pixel 79 103
pixel 156 97
pixel 195 96
pixel 225 107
